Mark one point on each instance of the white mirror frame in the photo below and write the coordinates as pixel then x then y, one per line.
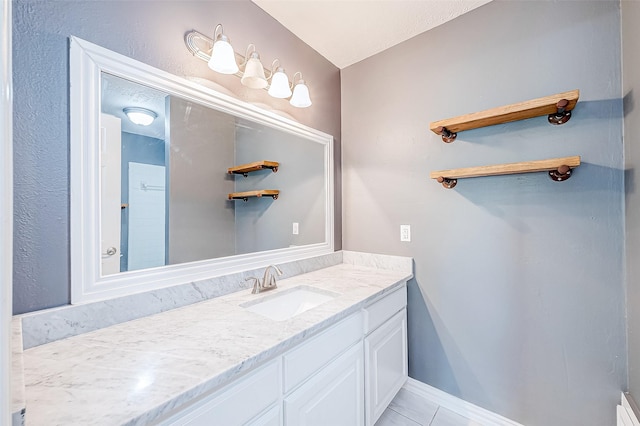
pixel 87 62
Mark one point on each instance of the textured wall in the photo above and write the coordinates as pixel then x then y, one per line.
pixel 151 32
pixel 631 84
pixel 518 300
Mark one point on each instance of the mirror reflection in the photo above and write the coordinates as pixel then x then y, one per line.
pixel 166 186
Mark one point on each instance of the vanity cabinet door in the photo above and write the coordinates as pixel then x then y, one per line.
pixel 334 396
pixel 386 366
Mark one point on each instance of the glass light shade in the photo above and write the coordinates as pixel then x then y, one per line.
pixel 223 59
pixel 141 116
pixel 254 73
pixel 280 85
pixel 300 98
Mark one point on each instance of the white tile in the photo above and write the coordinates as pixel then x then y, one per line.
pixel 413 406
pixel 446 417
pixel 391 418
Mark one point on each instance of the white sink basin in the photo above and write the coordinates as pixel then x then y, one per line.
pixel 289 303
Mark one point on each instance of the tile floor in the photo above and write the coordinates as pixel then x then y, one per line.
pixel 409 409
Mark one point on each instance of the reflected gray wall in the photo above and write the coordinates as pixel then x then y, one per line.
pixel 136 149
pixel 153 35
pixel 631 90
pixel 265 224
pixel 200 149
pixel 518 301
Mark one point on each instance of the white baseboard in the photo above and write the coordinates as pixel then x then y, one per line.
pixel 627 412
pixel 457 405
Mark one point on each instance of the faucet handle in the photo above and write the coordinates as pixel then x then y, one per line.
pixel 256 284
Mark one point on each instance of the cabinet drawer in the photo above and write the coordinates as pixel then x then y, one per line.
pixel 309 357
pixel 235 404
pixel 378 312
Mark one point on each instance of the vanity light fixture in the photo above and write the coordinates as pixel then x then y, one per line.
pixel 300 98
pixel 253 75
pixel 279 82
pixel 141 116
pixel 221 57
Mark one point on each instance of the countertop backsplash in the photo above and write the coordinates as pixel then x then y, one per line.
pixel 54 324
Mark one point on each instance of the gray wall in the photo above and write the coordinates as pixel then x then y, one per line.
pixel 200 148
pixel 265 224
pixel 154 35
pixel 631 84
pixel 518 301
pixel 136 149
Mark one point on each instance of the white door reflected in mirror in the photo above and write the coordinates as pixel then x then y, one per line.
pixel 110 203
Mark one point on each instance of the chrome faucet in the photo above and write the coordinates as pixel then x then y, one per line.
pixel 268 281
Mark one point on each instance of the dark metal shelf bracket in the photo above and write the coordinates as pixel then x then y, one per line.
pixel 563 173
pixel 447 136
pixel 447 183
pixel 561 116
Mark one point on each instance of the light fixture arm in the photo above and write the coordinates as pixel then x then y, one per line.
pixel 215 31
pixel 274 67
pixel 251 48
pixel 293 79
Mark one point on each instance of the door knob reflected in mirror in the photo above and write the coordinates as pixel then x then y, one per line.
pixel 110 251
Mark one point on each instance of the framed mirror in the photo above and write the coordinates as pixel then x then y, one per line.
pixel 207 186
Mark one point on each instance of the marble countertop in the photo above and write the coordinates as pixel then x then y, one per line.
pixel 138 371
pixel 17 378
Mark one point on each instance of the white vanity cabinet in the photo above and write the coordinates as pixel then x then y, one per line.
pixel 385 348
pixel 344 376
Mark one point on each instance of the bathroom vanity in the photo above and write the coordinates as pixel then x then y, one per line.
pixel 219 362
pixel 321 380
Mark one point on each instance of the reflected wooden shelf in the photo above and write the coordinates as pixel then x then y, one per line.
pixel 559 169
pixel 273 193
pixel 558 107
pixel 244 169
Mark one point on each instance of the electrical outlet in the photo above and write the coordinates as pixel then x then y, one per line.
pixel 295 228
pixel 405 232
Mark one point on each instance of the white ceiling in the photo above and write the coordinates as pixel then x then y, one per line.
pixel 348 31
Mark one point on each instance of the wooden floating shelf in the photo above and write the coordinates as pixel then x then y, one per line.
pixel 273 193
pixel 559 169
pixel 252 167
pixel 558 107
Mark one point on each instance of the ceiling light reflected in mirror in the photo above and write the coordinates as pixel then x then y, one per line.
pixel 140 116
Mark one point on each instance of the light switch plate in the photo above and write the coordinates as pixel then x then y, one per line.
pixel 295 228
